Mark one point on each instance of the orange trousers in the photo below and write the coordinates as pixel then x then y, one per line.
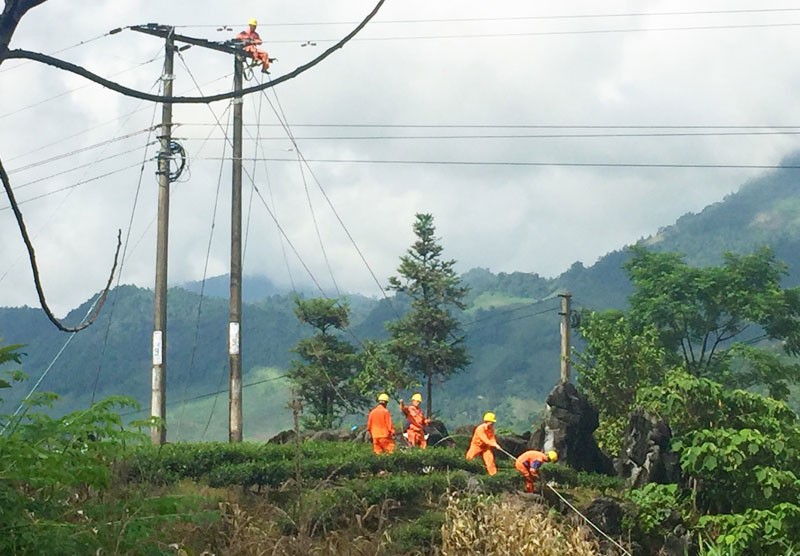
pixel 488 458
pixel 416 438
pixel 258 55
pixel 383 445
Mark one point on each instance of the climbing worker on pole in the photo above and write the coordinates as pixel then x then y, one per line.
pixel 416 422
pixel 483 441
pixel 380 427
pixel 528 463
pixel 251 40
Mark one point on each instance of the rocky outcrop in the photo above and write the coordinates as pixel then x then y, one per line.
pixel 645 456
pixel 570 421
pixel 438 437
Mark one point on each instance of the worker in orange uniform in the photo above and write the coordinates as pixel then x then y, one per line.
pixel 483 441
pixel 251 40
pixel 380 427
pixel 416 422
pixel 529 463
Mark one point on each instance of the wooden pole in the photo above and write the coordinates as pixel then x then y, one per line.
pixel 234 326
pixel 566 365
pixel 158 400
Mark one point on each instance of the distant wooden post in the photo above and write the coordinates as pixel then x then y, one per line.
pixel 566 366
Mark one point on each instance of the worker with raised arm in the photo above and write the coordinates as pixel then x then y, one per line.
pixel 528 463
pixel 251 41
pixel 416 422
pixel 483 441
pixel 380 427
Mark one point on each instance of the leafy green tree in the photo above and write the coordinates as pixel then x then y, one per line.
pixel 10 354
pixel 739 452
pixel 325 376
pixel 381 371
pixel 702 312
pixel 616 362
pixel 427 340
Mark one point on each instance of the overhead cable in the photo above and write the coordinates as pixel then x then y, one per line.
pixel 127 91
pixel 547 164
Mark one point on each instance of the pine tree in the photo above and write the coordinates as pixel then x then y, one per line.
pixel 428 339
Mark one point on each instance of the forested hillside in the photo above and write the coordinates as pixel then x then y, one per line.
pixel 511 326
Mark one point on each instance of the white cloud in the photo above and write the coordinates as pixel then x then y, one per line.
pixel 529 218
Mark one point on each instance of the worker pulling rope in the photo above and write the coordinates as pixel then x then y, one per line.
pixel 573 508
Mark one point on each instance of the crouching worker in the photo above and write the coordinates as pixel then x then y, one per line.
pixel 416 422
pixel 380 427
pixel 483 441
pixel 529 463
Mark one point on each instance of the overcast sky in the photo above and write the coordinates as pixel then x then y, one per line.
pixel 427 83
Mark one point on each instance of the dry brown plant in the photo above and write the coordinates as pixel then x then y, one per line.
pixel 513 525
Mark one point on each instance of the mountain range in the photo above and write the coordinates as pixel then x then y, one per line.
pixel 511 323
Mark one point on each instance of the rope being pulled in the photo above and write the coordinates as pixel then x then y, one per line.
pixel 574 509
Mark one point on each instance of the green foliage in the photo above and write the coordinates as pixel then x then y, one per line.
pixel 739 452
pixel 656 504
pixel 381 371
pixel 325 378
pixel 775 531
pixel 699 311
pixel 49 468
pixel 616 362
pixel 418 535
pixel 10 354
pixel 427 339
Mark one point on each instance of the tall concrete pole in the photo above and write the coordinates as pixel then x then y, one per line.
pixel 234 326
pixel 158 401
pixel 566 366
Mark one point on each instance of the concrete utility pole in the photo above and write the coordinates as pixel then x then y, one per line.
pixel 234 327
pixel 234 331
pixel 158 403
pixel 566 366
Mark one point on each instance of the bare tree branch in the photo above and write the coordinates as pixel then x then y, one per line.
pixel 32 256
pixel 78 70
pixel 10 18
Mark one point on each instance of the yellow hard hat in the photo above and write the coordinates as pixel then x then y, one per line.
pixel 552 455
pixel 489 416
pixel 253 21
pixel 416 397
pixel 383 397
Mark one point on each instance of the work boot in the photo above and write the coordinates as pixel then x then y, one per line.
pixel 265 70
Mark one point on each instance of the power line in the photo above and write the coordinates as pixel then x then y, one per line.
pixel 81 166
pixel 78 151
pixel 127 91
pixel 559 33
pixel 515 126
pixel 74 185
pixel 527 136
pixel 209 394
pixel 522 317
pixel 545 164
pixel 70 91
pixel 510 18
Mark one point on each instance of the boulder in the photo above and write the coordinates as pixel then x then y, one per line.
pixel 333 435
pixel 646 456
pixel 438 435
pixel 514 444
pixel 607 514
pixel 678 543
pixel 570 421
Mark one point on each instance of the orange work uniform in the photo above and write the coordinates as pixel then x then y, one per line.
pixel 381 429
pixel 252 40
pixel 528 464
pixel 483 441
pixel 416 425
